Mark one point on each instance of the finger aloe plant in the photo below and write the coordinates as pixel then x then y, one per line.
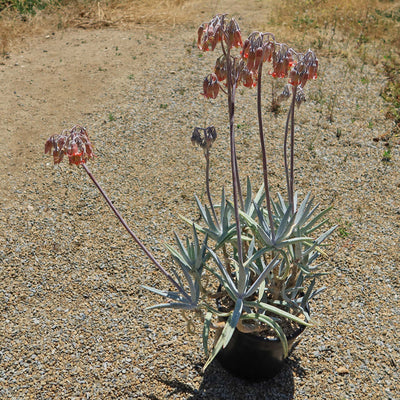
pixel 260 252
pixel 251 262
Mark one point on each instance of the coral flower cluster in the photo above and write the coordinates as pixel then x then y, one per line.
pixel 217 30
pixel 257 49
pixel 74 143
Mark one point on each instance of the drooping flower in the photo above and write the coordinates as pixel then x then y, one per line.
pixel 248 78
pixel 299 74
pixel 269 48
pixel 257 49
pixel 282 61
pixel 233 37
pixel 245 49
pixel 253 51
pixel 210 86
pixel 313 67
pixel 220 68
pixel 305 69
pixel 258 57
pixel 211 33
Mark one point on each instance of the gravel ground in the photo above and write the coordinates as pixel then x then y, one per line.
pixel 74 323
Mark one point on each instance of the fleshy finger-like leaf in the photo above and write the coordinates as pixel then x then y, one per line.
pixel 262 277
pixel 223 340
pixel 275 326
pixel 277 311
pixel 226 279
pixel 206 331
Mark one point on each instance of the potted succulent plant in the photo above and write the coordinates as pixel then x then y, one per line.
pixel 249 270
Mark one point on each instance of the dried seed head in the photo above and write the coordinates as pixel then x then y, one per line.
pixel 284 95
pixel 74 143
pixel 300 96
pixel 204 137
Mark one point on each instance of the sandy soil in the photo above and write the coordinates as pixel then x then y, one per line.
pixel 73 319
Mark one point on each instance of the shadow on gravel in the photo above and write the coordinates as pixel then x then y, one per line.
pixel 218 384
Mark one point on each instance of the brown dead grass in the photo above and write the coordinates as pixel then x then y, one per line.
pixel 361 20
pixel 92 15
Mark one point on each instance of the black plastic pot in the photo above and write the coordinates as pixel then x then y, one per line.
pixel 253 357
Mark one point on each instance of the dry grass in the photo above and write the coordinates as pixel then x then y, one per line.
pixel 359 20
pixel 371 27
pixel 14 27
pixel 362 20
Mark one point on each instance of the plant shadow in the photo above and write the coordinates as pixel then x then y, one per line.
pixel 218 384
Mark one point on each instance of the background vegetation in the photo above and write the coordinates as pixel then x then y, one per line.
pixel 371 27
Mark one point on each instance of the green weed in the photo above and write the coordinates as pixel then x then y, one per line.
pixel 25 6
pixel 387 155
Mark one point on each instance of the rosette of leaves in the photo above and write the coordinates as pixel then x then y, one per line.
pixel 274 282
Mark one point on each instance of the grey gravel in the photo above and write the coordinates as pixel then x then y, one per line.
pixel 74 323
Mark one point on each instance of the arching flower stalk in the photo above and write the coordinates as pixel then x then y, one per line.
pixel 76 145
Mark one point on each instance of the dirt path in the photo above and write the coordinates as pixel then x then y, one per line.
pixel 54 81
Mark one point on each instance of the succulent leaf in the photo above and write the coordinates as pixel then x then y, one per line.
pixel 222 341
pixel 206 330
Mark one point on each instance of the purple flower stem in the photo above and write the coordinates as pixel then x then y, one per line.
pixel 294 92
pixel 264 155
pixel 207 156
pixel 134 237
pixel 235 174
pixel 290 172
